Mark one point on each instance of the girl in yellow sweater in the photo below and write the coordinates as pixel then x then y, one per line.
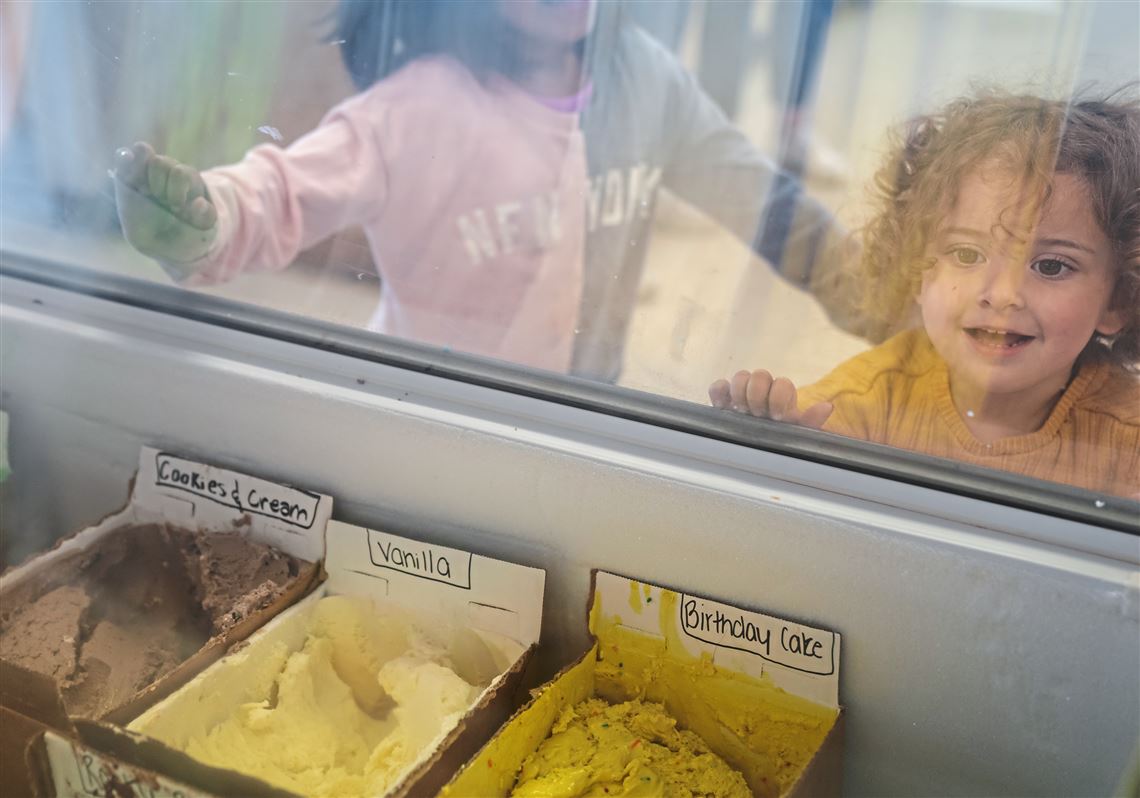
pixel 1014 223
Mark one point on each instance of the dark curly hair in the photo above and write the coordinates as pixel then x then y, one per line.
pixel 1097 140
pixel 377 37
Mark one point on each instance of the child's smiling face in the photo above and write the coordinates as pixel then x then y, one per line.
pixel 1010 310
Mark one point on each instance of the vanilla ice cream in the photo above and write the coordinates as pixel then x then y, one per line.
pixel 340 700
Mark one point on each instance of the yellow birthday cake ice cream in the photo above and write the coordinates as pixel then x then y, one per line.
pixel 653 710
pixel 627 749
pixel 345 714
pixel 769 732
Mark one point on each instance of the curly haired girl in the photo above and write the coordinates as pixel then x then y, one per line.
pixel 1014 223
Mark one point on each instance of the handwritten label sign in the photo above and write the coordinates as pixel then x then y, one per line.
pixel 78 772
pixel 792 645
pixel 438 563
pixel 294 507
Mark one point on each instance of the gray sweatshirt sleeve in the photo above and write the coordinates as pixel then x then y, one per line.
pixel 712 165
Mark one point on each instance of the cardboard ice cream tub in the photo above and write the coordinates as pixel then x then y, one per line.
pixel 80 766
pixel 382 682
pixel 760 691
pixel 123 613
pixel 29 705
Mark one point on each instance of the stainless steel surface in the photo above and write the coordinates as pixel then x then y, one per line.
pixel 987 649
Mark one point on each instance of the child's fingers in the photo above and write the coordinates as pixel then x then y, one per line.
pixel 178 183
pixel 197 184
pixel 131 164
pixel 782 399
pixel 199 210
pixel 201 213
pixel 738 387
pixel 719 394
pixel 816 415
pixel 759 386
pixel 157 174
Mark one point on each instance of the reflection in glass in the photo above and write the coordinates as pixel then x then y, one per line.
pixel 1013 223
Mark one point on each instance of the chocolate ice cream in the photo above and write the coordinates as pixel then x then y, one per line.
pixel 108 621
pixel 235 577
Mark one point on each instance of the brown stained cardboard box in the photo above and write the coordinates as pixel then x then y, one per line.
pixel 45 753
pixel 760 691
pixel 29 706
pixel 498 606
pixel 106 761
pixel 172 490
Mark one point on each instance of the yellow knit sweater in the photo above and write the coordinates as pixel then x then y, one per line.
pixel 899 394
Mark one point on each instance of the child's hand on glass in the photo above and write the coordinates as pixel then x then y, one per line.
pixel 757 393
pixel 164 207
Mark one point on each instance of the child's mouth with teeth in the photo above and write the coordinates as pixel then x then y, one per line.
pixel 998 338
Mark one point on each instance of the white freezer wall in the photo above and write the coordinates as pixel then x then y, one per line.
pixel 978 658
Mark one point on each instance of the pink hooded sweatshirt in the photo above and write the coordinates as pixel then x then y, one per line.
pixel 471 195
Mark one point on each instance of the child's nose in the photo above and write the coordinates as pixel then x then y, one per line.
pixel 1004 284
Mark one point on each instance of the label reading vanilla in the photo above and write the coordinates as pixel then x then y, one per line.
pixel 246 494
pixel 792 645
pixel 438 563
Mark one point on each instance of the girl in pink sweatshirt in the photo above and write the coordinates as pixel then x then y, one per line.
pixel 503 158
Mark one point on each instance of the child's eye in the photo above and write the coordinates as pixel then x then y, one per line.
pixel 1051 267
pixel 967 256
